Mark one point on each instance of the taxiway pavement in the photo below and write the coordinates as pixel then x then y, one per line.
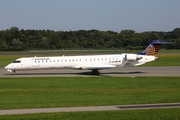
pixel 123 71
pixel 91 108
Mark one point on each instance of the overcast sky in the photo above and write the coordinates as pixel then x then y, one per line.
pixel 114 15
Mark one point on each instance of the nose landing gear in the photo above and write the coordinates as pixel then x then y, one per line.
pixel 14 72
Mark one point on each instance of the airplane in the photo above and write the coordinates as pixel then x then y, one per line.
pixel 88 62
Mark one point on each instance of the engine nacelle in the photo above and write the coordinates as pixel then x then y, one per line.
pixel 131 57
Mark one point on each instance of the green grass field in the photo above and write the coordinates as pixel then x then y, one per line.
pixel 153 114
pixel 165 60
pixel 86 91
pixel 92 91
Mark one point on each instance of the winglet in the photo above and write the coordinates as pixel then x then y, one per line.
pixel 154 47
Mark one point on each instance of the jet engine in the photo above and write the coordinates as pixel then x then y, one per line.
pixel 130 57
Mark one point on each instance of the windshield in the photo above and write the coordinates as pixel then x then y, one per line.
pixel 17 61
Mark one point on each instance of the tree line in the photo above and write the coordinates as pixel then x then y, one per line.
pixel 14 39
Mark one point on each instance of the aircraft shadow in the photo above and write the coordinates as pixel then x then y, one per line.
pixel 112 73
pixel 74 74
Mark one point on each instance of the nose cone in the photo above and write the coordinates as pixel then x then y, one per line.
pixel 7 67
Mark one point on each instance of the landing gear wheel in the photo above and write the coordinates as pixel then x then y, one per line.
pixel 95 72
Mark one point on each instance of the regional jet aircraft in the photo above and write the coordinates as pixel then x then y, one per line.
pixel 88 62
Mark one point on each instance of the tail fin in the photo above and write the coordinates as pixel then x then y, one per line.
pixel 154 47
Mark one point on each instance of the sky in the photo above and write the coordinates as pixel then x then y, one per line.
pixel 104 15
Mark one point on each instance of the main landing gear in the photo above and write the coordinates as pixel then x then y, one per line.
pixel 95 72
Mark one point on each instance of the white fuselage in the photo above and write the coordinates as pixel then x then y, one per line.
pixel 88 62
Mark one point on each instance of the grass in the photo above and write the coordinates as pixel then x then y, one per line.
pixel 152 114
pixel 92 91
pixel 165 60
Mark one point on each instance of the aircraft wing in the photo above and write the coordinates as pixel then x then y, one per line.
pixel 94 67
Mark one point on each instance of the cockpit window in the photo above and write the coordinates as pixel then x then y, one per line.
pixel 17 61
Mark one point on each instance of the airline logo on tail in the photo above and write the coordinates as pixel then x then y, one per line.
pixel 153 50
pixel 154 47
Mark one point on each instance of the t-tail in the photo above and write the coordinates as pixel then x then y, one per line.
pixel 154 47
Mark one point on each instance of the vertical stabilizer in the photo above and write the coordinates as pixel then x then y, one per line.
pixel 154 47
